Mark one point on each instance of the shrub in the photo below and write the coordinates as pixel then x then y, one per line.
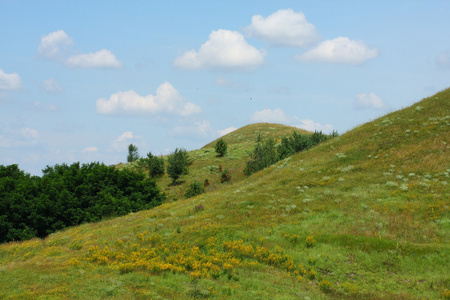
pixel 221 147
pixel 225 176
pixel 194 189
pixel 178 163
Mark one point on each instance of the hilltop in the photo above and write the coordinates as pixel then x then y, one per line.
pixel 362 216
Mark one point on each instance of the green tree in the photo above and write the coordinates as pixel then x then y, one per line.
pixel 221 147
pixel 178 163
pixel 133 153
pixel 263 155
pixel 155 165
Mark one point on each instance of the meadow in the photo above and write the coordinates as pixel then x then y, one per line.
pixel 362 216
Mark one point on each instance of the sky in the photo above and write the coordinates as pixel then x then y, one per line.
pixel 81 80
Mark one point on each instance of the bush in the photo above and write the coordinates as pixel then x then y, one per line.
pixel 224 176
pixel 221 147
pixel 263 155
pixel 178 163
pixel 194 189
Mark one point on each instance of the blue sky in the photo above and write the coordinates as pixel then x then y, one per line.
pixel 81 80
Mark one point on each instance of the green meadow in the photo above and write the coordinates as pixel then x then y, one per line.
pixel 364 215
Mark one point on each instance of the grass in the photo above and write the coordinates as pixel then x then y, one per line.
pixel 362 216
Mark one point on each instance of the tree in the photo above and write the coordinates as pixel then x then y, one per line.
pixel 178 163
pixel 221 147
pixel 263 155
pixel 155 165
pixel 133 153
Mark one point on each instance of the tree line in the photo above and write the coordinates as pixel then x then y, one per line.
pixel 69 195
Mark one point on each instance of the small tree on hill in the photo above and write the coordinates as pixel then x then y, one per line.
pixel 178 163
pixel 155 165
pixel 221 147
pixel 133 153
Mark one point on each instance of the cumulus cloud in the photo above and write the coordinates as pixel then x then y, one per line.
pixel 443 60
pixel 271 116
pixel 52 86
pixel 166 101
pixel 340 50
pixel 365 101
pixel 225 49
pixel 103 59
pixel 51 45
pixel 9 82
pixel 283 28
pixel 279 116
pixel 57 44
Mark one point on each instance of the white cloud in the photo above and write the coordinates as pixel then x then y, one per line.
pixel 270 116
pixel 166 101
pixel 52 44
pixel 443 60
pixel 283 28
pixel 90 150
pixel 10 81
pixel 227 131
pixel 279 116
pixel 52 86
pixel 56 45
pixel 225 49
pixel 103 59
pixel 340 50
pixel 310 125
pixel 364 101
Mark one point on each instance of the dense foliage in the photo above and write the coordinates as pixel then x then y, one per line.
pixel 178 163
pixel 267 153
pixel 32 206
pixel 221 147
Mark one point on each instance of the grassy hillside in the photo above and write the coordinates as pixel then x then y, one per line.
pixel 362 216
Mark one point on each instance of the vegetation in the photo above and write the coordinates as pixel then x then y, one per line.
pixel 194 189
pixel 66 195
pixel 178 163
pixel 362 216
pixel 155 165
pixel 133 153
pixel 265 153
pixel 221 147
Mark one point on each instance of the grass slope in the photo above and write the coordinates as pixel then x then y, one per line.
pixel 362 216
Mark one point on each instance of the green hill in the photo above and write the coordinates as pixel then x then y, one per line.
pixel 362 216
